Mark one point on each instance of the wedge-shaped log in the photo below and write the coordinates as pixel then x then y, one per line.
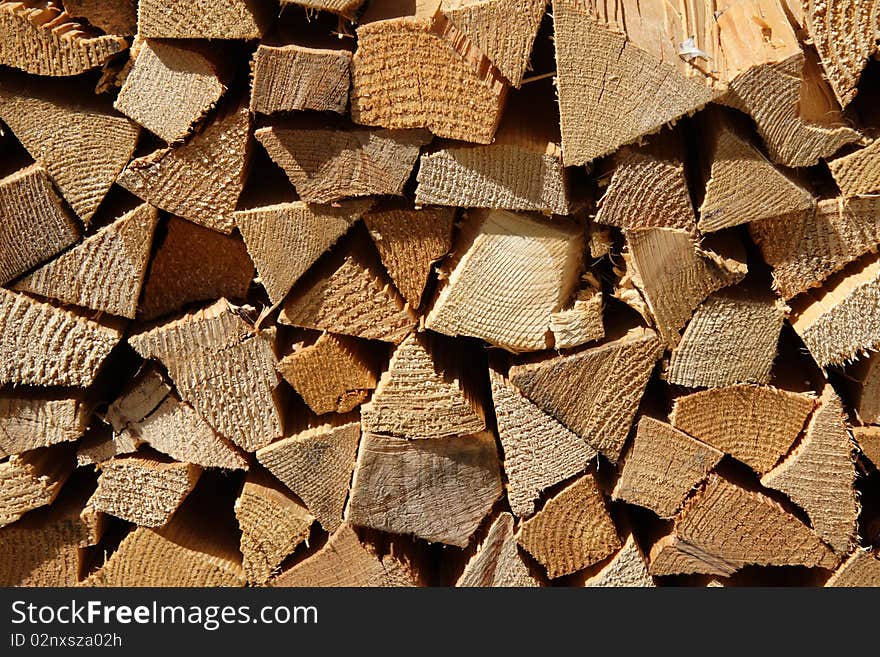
pixel 755 424
pixel 33 418
pixel 868 439
pixel 438 490
pixel 32 479
pixel 859 172
pixel 223 368
pixel 111 16
pixel 627 569
pixel 497 562
pixel 862 569
pixel 479 296
pixel 204 19
pixel 316 464
pixel 595 391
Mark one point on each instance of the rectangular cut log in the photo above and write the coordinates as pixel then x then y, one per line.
pixel 203 19
pixel 33 418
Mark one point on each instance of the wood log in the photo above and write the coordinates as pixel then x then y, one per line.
pixel 100 444
pixel 497 562
pixel 573 530
pixel 200 180
pixel 182 19
pixel 272 525
pixel 88 143
pixel 575 388
pixel 165 70
pixel 754 424
pixel 478 296
pixel 819 475
pixel 113 17
pixel 345 561
pixel 437 490
pixel 579 323
pixel 857 174
pixel 41 38
pixel 731 338
pixel 409 71
pixel 316 464
pixel 662 466
pixel 31 480
pixel 326 164
pixel 539 452
pixel 425 372
pixel 345 8
pixel 333 375
pixel 627 569
pixel 143 490
pixel 862 569
pixel 36 224
pixel 105 271
pixel 223 368
pixel 409 243
pixel 44 345
pixel 193 264
pixel 34 418
pixel 868 440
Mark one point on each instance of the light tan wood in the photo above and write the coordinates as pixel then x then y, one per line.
pixel 346 562
pixel 105 271
pixel 755 424
pixel 35 225
pixel 31 480
pixel 191 264
pixel 538 451
pixel 285 239
pixel 100 444
pixel 204 19
pixel 480 298
pixel 819 475
pixel 859 172
pixel 627 569
pixel 200 180
pixel 333 375
pixel 579 323
pixel 409 243
pixel 326 164
pixel 595 391
pixel 497 562
pixel 316 464
pixel 573 530
pixel 272 525
pixel 805 248
pixel 88 143
pixel 425 372
pixel 346 8
pixel 725 527
pixel 164 70
pixel 674 275
pixel 438 490
pixel 662 466
pixel 292 77
pixel 223 368
pixel 44 345
pixel 868 439
pixel 111 16
pixel 143 490
pixel 862 569
pixel 348 292
pixel 731 338
pixel 423 72
pixel 30 419
pixel 42 39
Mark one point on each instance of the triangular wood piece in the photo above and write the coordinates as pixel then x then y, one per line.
pixel 478 296
pixel 819 475
pixel 755 424
pixel 30 419
pixel 111 16
pixel 284 240
pixel 497 562
pixel 444 403
pixel 409 243
pixel 42 39
pixel 46 346
pixel 538 451
pixel 662 466
pixel 221 19
pixel 861 570
pixel 868 439
pixel 438 490
pixel 35 225
pixel 81 142
pixel 348 292
pixel 326 164
pixel 105 272
pixel 732 338
pixel 345 562
pixel 316 464
pixel 223 368
pixel 32 479
pixel 594 392
pixel 193 264
pixel 272 525
pixel 627 569
pixel 859 172
pixel 200 180
pixel 573 530
pixel 725 527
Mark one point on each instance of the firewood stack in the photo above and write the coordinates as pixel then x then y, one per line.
pixel 459 292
